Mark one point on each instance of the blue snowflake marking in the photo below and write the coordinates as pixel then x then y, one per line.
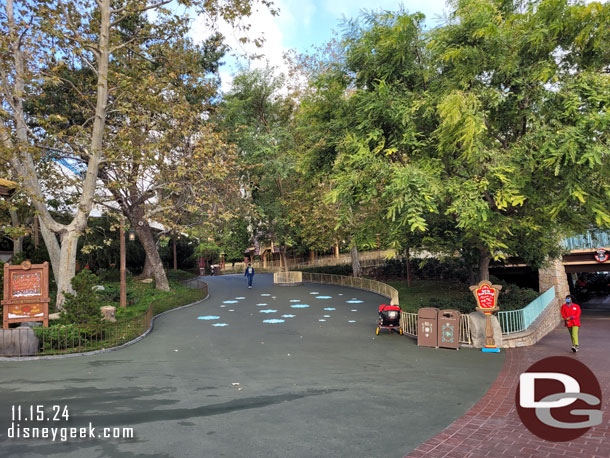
pixel 229 302
pixel 288 316
pixel 354 301
pixel 208 317
pixel 299 306
pixel 329 308
pixel 268 311
pixel 274 321
pixel 220 324
pixel 323 297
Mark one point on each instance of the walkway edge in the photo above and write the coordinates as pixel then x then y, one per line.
pixel 105 350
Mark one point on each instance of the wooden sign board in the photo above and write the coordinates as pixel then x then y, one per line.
pixel 26 293
pixel 486 296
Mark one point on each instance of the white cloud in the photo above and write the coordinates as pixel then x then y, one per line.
pixel 262 24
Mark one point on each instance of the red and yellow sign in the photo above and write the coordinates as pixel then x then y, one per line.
pixel 486 296
pixel 26 293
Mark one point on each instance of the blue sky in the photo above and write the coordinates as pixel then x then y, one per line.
pixel 312 21
pixel 302 24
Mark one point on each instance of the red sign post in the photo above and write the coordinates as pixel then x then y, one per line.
pixel 486 296
pixel 26 293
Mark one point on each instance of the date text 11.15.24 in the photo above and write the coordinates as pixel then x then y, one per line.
pixel 39 413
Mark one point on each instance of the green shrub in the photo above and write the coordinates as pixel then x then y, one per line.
pixel 343 269
pixel 112 295
pixel 84 306
pixel 61 337
pixel 512 297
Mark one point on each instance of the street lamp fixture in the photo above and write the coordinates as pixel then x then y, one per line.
pixel 132 235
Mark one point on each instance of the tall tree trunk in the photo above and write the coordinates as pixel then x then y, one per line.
pixel 36 240
pixel 147 271
pixel 67 266
pixel 484 260
pixel 356 268
pixel 63 253
pixel 17 242
pixel 148 243
pixel 284 258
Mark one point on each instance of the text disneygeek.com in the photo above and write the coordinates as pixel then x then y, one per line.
pixel 17 431
pixel 23 417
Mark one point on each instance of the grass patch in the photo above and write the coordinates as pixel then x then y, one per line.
pixel 422 292
pixel 141 295
pixel 131 321
pixel 181 275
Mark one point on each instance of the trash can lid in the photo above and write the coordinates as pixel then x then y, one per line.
pixel 428 312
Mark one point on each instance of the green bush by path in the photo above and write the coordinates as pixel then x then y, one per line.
pixel 131 321
pixel 83 306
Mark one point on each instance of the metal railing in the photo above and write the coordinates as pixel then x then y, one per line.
pixel 354 282
pixel 513 321
pixel 464 337
pixel 589 240
pixel 78 338
pixel 73 338
pixel 287 277
pixel 408 323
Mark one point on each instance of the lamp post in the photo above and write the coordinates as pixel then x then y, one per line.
pixel 123 288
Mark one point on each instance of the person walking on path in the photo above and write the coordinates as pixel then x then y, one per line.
pixel 570 312
pixel 250 274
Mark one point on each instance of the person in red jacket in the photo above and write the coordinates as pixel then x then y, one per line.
pixel 570 312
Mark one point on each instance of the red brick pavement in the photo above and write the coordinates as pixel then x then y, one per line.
pixel 492 427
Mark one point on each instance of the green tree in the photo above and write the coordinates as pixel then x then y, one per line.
pixel 90 35
pixel 484 136
pixel 260 117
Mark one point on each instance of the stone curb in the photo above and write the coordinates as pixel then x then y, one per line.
pixel 104 350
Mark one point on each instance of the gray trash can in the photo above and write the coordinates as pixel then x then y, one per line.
pixel 448 329
pixel 427 327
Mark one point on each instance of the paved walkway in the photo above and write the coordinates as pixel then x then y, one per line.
pixel 492 428
pixel 312 381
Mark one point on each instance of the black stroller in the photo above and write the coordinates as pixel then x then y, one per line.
pixel 389 318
